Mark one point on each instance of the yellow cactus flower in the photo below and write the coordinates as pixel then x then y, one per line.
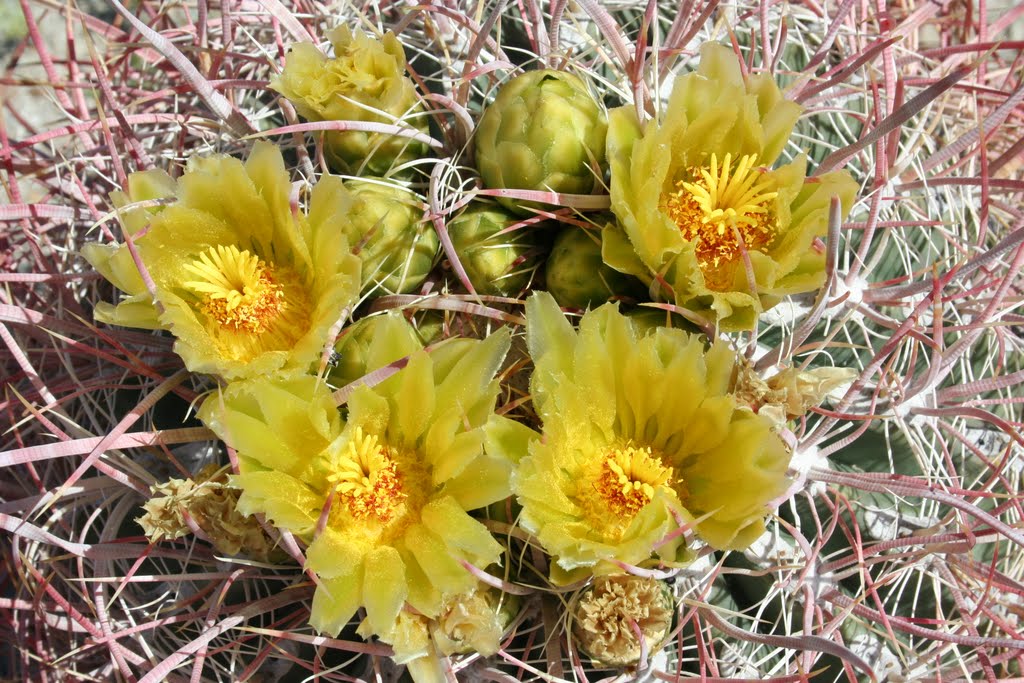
pixel 640 434
pixel 245 285
pixel 364 81
pixel 699 203
pixel 381 496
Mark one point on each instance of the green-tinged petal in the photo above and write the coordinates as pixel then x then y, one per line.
pixel 371 344
pixel 385 588
pixel 132 312
pixel 433 556
pixel 368 410
pixel 446 518
pixel 548 335
pixel 462 449
pixel 709 424
pixel 735 480
pixel 143 186
pixel 414 400
pixel 335 602
pixel 118 266
pixel 506 439
pixel 285 501
pixel 283 425
pixel 441 435
pixel 424 595
pixel 471 376
pixel 617 252
pixel 426 669
pixel 485 481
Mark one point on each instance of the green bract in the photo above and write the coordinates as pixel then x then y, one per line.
pixel 386 228
pixel 365 81
pixel 499 264
pixel 544 131
pixel 687 187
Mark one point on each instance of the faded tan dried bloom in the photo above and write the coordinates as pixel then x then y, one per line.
pixel 470 622
pixel 605 616
pixel 211 504
pixel 789 394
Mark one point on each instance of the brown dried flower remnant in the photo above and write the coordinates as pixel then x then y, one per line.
pixel 210 503
pixel 605 616
pixel 789 394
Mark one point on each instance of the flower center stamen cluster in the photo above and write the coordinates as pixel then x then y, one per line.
pixel 721 206
pixel 366 478
pixel 629 477
pixel 237 288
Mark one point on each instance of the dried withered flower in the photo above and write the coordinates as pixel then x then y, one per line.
pixel 611 612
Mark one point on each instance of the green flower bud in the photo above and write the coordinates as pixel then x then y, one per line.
pixel 365 81
pixel 386 228
pixel 576 275
pixel 544 131
pixel 496 264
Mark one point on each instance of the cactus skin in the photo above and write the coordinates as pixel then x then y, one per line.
pixel 577 277
pixel 396 245
pixel 500 265
pixel 544 131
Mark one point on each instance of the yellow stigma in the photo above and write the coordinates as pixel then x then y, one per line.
pixel 629 477
pixel 721 205
pixel 366 478
pixel 237 288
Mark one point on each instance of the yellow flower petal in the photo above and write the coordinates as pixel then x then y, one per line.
pixel 385 591
pixel 331 555
pixel 335 602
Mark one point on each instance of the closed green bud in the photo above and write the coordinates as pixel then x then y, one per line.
pixel 365 81
pixel 544 131
pixel 387 229
pixel 577 277
pixel 496 264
